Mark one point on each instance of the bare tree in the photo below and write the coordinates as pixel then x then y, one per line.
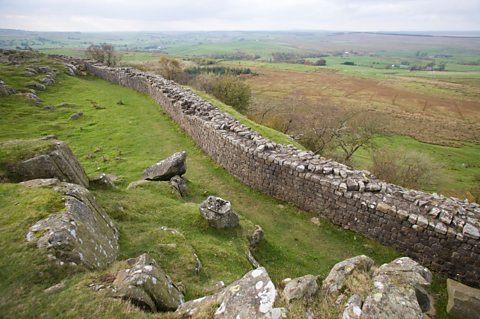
pixel 104 53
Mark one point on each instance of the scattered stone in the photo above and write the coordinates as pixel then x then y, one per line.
pixel 336 278
pixel 147 286
pixel 76 116
pixel 49 137
pixel 32 97
pixel 49 107
pixel 252 296
pixel 71 69
pixel 256 237
pixel 463 301
pixel 104 180
pixel 137 184
pixel 6 90
pixel 55 288
pixel 219 213
pixel 55 160
pixel 81 234
pixel 66 104
pixel 179 185
pixel 300 288
pixel 167 168
pixel 315 221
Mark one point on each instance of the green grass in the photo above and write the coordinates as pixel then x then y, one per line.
pixel 142 134
pixel 460 168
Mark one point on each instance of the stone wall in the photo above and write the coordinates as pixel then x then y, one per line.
pixel 441 233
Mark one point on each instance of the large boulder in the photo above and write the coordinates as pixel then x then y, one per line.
pixel 399 291
pixel 300 288
pixel 147 286
pixel 80 234
pixel 167 168
pixel 219 213
pixel 463 301
pixel 39 158
pixel 252 296
pixel 335 280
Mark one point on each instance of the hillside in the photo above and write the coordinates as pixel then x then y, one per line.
pixel 122 132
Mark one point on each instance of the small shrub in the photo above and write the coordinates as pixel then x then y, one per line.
pixel 406 168
pixel 232 91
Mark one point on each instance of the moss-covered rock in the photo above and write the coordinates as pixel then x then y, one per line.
pixel 22 160
pixel 80 235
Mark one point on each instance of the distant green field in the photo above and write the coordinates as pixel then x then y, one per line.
pixel 262 48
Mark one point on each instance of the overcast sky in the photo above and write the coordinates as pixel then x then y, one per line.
pixel 168 15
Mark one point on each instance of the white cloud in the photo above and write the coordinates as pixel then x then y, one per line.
pixel 123 15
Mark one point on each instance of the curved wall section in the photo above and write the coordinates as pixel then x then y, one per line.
pixel 441 233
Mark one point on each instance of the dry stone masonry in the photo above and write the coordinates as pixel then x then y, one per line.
pixel 441 233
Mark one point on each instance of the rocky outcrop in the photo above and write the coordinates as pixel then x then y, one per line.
pixel 340 272
pixel 147 286
pixel 300 288
pixel 463 301
pixel 219 213
pixel 53 159
pixel 167 168
pixel 252 296
pixel 400 291
pixel 82 234
pixel 6 90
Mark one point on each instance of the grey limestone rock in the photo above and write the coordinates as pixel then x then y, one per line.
pixel 219 213
pixel 76 115
pixel 463 301
pixel 300 288
pixel 399 291
pixel 252 296
pixel 339 273
pixel 167 168
pixel 256 237
pixel 179 185
pixel 54 161
pixel 6 90
pixel 147 286
pixel 81 234
pixel 104 180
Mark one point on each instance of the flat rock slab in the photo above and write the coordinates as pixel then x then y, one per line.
pixel 252 296
pixel 81 234
pixel 463 301
pixel 147 286
pixel 167 168
pixel 43 159
pixel 219 213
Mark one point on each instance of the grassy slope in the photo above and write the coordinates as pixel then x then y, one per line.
pixel 142 134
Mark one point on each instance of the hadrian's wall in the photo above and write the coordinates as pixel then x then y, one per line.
pixel 441 233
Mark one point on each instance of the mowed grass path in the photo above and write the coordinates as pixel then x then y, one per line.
pixel 138 133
